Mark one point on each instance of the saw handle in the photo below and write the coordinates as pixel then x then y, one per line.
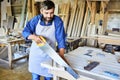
pixel 42 38
pixel 43 43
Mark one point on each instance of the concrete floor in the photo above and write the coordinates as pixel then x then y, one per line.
pixel 20 72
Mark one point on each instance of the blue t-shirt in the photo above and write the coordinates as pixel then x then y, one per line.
pixel 59 29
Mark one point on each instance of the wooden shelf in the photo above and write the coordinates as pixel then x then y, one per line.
pixel 114 10
pixel 98 0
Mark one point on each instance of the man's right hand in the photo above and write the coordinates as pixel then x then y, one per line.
pixel 36 38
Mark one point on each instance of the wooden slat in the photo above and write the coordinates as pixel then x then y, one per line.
pixel 21 25
pixel 34 12
pixel 78 19
pixel 67 16
pixel 75 22
pixel 84 23
pixel 9 11
pixel 106 40
pixel 70 26
pixel 29 9
pixel 10 23
pixel 93 12
pixel 3 12
pixel 81 19
pixel 98 0
pixel 56 9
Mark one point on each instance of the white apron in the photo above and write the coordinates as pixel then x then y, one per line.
pixel 37 56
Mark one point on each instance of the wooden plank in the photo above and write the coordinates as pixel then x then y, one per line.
pixel 8 7
pixel 77 21
pixel 63 11
pixel 81 19
pixel 3 12
pixel 70 26
pixel 84 23
pixel 75 27
pixel 34 11
pixel 91 31
pixel 89 5
pixel 29 9
pixel 3 49
pixel 59 71
pixel 107 62
pixel 109 41
pixel 25 56
pixel 21 25
pixel 67 16
pixel 98 0
pixel 9 10
pixel 2 32
pixel 10 23
pixel 105 23
pixel 105 16
pixel 4 61
pixel 78 60
pixel 93 12
pixel 47 49
pixel 56 9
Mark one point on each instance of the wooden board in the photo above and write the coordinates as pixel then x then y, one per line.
pixel 72 17
pixel 84 23
pixel 108 62
pixel 75 27
pixel 10 23
pixel 22 19
pixel 47 49
pixel 81 19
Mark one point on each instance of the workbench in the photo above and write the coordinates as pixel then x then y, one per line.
pixel 72 43
pixel 9 42
pixel 81 57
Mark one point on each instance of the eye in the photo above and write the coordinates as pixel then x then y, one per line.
pixel 52 12
pixel 46 12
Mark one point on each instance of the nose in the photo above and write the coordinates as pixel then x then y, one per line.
pixel 49 15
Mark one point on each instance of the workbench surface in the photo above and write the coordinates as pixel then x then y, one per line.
pixel 81 57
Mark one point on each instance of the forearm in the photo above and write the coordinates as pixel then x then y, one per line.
pixel 61 53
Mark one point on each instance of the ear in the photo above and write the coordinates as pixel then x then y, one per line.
pixel 41 10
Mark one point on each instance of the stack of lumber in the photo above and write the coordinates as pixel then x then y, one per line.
pixel 76 19
pixel 63 12
pixel 96 22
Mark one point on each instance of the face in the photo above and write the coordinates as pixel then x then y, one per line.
pixel 47 14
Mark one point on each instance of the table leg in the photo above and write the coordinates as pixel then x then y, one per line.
pixel 10 55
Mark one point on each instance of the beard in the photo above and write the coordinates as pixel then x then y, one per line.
pixel 48 18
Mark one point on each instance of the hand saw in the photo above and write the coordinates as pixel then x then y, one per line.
pixel 55 56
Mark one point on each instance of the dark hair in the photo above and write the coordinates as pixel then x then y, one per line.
pixel 47 4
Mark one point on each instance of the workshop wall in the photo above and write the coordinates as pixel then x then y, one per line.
pixel 113 8
pixel 114 15
pixel 113 22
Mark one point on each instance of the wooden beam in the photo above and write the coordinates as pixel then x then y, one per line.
pixel 84 23
pixel 70 26
pixel 29 9
pixel 93 12
pixel 81 19
pixel 22 15
pixel 98 0
pixel 89 5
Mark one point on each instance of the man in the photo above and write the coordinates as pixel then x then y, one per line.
pixel 49 26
